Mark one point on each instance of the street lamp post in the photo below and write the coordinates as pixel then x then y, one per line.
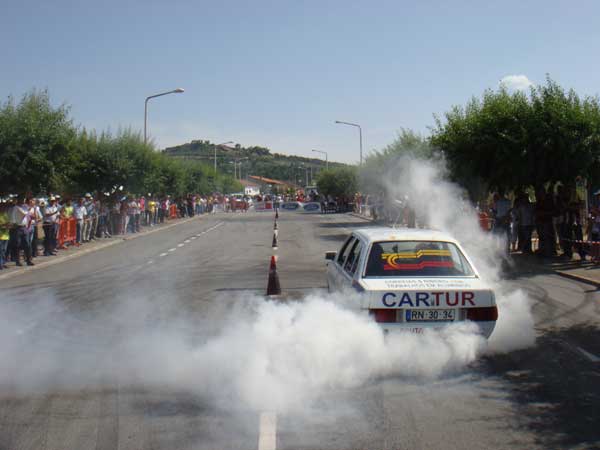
pixel 224 143
pixel 174 91
pixel 359 133
pixel 326 158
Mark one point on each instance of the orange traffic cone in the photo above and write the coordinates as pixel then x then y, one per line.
pixel 273 287
pixel 274 239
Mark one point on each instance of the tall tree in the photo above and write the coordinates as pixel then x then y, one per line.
pixel 514 139
pixel 36 144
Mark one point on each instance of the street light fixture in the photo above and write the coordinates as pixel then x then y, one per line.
pixel 326 159
pixel 359 132
pixel 174 91
pixel 224 143
pixel 235 164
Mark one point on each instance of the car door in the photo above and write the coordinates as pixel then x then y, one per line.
pixel 349 269
pixel 335 267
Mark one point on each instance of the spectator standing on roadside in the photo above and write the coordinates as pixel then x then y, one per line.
pixel 22 218
pixel 525 215
pixel 116 217
pixel 501 213
pixel 80 214
pixel 91 207
pixel 124 213
pixel 5 227
pixel 151 212
pixel 142 211
pixel 37 218
pixel 50 227
pixel 104 229
pixel 563 222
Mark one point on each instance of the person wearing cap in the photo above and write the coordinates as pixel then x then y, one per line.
pixel 50 227
pixel 91 220
pixel 22 217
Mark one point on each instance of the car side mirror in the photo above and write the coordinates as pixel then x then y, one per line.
pixel 330 256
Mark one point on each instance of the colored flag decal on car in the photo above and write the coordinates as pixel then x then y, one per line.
pixel 394 260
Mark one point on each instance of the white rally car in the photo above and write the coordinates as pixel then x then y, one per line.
pixel 412 279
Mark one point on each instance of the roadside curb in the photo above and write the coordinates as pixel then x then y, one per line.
pixel 575 277
pixel 85 251
pixel 360 216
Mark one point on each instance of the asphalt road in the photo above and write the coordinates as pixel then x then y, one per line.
pixel 66 381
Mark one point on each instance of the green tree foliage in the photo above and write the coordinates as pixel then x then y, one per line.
pixel 35 144
pixel 42 151
pixel 511 140
pixel 338 182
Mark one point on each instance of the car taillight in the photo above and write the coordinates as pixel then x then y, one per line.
pixel 488 314
pixel 383 315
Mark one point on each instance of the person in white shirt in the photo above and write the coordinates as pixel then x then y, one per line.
pixel 21 216
pixel 80 213
pixel 37 218
pixel 51 214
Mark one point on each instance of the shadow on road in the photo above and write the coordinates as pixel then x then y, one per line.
pixel 555 387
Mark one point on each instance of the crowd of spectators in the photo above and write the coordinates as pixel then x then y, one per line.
pixel 557 222
pixel 30 226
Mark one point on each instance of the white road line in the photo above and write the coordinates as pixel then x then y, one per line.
pixel 180 245
pixel 199 234
pixel 172 249
pixel 588 355
pixel 267 436
pixel 193 237
pixel 163 254
pixel 150 262
pixel 187 241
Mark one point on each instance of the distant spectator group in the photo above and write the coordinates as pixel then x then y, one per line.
pixel 557 222
pixel 28 225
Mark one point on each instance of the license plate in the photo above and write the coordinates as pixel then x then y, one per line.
pixel 430 315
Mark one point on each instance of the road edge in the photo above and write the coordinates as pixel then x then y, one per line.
pixel 86 251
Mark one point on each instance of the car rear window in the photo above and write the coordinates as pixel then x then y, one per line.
pixel 416 259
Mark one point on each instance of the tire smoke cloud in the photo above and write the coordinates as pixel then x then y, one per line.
pixel 259 354
pixel 443 205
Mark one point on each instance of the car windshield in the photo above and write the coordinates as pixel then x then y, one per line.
pixel 417 259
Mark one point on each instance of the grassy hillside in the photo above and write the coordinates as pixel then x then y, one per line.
pixel 254 161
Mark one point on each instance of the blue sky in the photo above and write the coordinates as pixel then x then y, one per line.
pixel 279 73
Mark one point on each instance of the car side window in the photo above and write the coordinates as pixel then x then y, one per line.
pixel 353 257
pixel 344 251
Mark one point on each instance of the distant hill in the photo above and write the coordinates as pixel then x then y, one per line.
pixel 254 161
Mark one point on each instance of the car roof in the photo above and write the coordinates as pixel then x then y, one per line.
pixel 376 234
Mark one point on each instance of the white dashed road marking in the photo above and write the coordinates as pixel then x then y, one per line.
pixel 187 241
pixel 267 434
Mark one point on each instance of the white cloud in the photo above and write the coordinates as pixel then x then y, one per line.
pixel 516 82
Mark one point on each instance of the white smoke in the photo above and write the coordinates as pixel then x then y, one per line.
pixel 261 354
pixel 442 205
pixel 268 355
